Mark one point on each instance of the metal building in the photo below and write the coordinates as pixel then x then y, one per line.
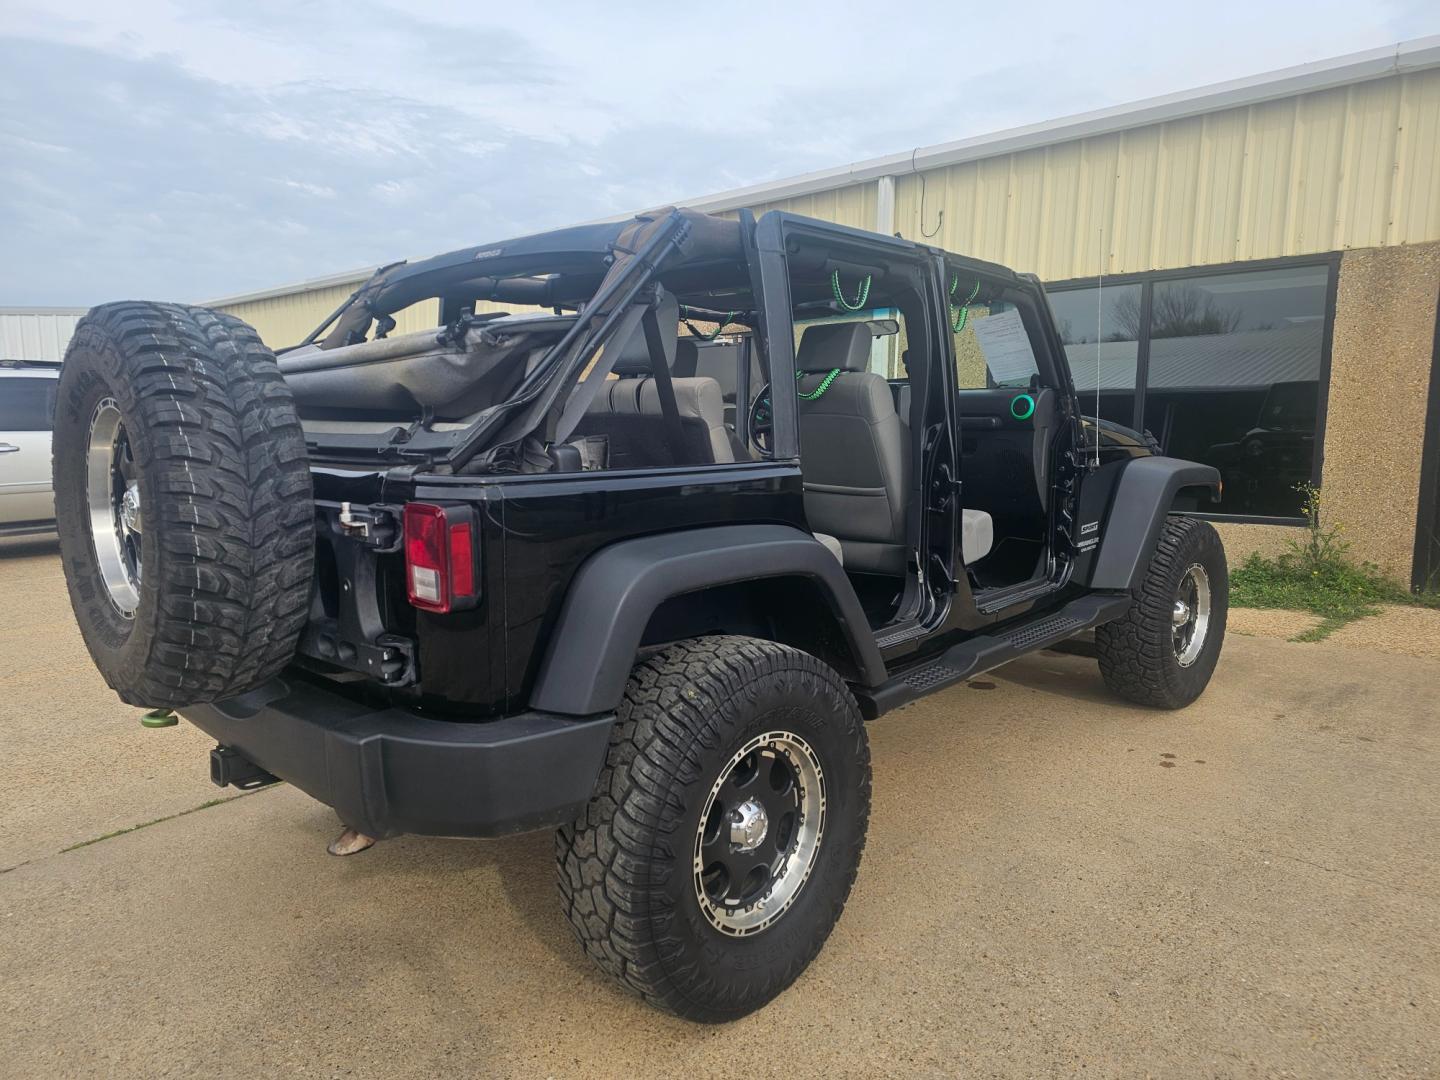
pixel 1250 271
pixel 36 333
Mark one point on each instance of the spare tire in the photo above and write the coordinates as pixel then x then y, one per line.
pixel 183 501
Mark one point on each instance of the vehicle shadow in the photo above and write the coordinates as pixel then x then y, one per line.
pixel 21 547
pixel 522 866
pixel 1068 671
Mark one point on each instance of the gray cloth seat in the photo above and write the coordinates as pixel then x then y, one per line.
pixel 854 449
pixel 720 361
pixel 626 410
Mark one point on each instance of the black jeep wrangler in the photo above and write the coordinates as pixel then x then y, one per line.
pixel 630 546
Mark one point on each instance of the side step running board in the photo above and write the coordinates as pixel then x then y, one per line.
pixel 991 601
pixel 987 651
pixel 894 635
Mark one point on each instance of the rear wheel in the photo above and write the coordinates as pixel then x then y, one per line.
pixel 183 502
pixel 726 829
pixel 1164 650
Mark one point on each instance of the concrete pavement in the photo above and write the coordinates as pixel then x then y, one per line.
pixel 1054 882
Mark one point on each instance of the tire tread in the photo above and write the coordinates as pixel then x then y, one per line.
pixel 615 861
pixel 231 491
pixel 1136 651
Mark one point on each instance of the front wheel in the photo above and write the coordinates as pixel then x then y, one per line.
pixel 1163 651
pixel 726 829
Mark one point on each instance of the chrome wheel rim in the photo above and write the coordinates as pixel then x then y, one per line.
pixel 759 833
pixel 1190 617
pixel 113 496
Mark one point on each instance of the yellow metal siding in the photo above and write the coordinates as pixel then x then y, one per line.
pixel 285 320
pixel 855 206
pixel 1417 162
pixel 1352 167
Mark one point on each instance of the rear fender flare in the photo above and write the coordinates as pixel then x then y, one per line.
pixel 1144 495
pixel 616 590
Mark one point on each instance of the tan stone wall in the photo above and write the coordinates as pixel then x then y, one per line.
pixel 1379 379
pixel 1243 540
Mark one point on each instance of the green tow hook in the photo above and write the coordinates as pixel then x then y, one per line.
pixel 158 718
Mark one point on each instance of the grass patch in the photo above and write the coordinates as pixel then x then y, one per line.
pixel 1316 576
pixel 1336 590
pixel 1333 590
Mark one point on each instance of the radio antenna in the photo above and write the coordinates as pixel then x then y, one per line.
pixel 1099 338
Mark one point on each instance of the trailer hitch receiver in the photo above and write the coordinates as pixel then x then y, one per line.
pixel 229 767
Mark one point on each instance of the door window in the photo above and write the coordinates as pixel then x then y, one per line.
pixel 992 346
pixel 26 404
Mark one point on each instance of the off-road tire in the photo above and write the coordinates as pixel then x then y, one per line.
pixel 625 866
pixel 224 493
pixel 1137 654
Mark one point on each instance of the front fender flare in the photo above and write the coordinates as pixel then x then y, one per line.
pixel 1143 497
pixel 617 589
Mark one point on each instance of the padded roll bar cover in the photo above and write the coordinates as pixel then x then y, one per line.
pixel 617 589
pixel 1143 497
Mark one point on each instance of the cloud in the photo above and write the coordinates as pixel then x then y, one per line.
pixel 173 186
pixel 185 150
pixel 179 187
pixel 320 191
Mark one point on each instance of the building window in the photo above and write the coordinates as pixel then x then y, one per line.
pixel 1227 371
pixel 1101 331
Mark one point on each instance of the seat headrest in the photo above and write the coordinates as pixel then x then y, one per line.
pixel 835 345
pixel 687 358
pixel 635 358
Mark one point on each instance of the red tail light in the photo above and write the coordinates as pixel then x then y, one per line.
pixel 441 557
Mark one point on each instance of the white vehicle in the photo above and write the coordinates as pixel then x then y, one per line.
pixel 27 406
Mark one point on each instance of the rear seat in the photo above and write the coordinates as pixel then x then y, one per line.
pixel 627 409
pixel 719 361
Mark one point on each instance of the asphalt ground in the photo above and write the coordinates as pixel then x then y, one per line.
pixel 1055 883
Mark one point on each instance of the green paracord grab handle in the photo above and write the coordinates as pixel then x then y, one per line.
pixel 860 297
pixel 697 334
pixel 814 395
pixel 958 316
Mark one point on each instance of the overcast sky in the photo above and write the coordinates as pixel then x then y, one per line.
pixel 191 150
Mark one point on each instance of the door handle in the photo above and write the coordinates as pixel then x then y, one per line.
pixel 9 448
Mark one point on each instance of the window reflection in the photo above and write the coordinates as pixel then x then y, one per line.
pixel 1234 380
pixel 1101 333
pixel 1233 372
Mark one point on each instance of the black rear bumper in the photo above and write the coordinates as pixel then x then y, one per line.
pixel 390 771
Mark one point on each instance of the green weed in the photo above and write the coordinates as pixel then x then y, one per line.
pixel 1316 575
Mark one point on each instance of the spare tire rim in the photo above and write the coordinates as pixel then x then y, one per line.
pixel 759 833
pixel 1190 618
pixel 113 493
